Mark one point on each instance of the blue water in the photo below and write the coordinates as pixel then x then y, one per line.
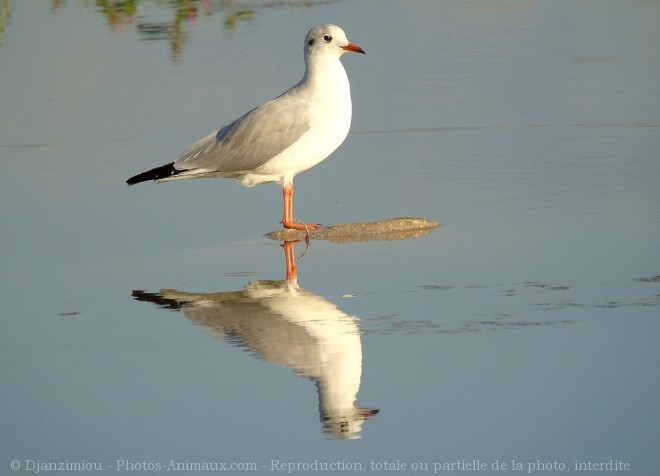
pixel 523 331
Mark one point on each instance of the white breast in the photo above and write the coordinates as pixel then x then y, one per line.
pixel 328 91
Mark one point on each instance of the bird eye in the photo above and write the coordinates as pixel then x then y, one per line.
pixel 327 38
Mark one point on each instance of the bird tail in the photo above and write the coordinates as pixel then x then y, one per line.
pixel 158 173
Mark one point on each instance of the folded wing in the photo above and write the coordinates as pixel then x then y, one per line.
pixel 248 142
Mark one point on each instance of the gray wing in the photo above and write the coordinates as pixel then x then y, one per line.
pixel 251 140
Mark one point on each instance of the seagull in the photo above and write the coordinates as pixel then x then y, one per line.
pixel 283 137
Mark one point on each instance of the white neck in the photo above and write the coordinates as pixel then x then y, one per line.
pixel 326 75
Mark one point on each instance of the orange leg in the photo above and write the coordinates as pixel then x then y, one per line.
pixel 287 219
pixel 290 257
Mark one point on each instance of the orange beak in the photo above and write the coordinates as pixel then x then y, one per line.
pixel 353 48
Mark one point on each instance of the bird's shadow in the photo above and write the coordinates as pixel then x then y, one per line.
pixel 282 323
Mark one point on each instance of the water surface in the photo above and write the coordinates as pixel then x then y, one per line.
pixel 524 329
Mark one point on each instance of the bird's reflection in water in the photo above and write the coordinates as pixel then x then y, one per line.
pixel 283 323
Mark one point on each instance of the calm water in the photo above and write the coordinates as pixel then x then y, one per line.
pixel 153 325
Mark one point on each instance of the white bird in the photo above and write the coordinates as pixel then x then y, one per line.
pixel 285 324
pixel 283 137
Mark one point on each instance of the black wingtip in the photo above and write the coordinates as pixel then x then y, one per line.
pixel 156 298
pixel 164 171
